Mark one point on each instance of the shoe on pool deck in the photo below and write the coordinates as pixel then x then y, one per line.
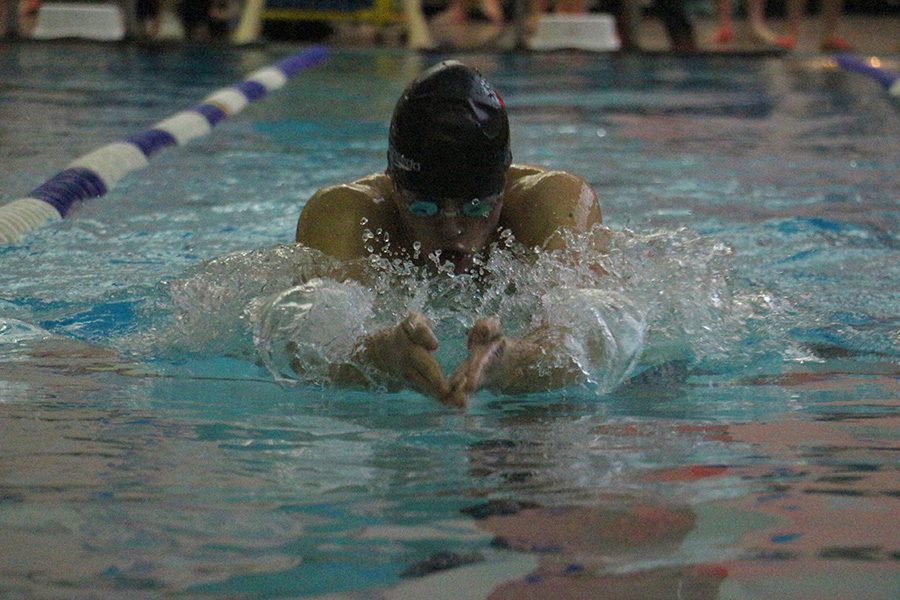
pixel 836 43
pixel 723 36
pixel 788 42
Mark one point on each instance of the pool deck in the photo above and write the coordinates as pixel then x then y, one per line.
pixel 868 34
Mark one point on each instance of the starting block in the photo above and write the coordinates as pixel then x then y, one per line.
pixel 595 32
pixel 102 22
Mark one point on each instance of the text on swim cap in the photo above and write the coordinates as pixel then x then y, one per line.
pixel 404 163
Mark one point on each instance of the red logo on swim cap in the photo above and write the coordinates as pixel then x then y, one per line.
pixel 488 89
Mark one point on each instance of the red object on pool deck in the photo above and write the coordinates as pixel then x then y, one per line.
pixel 836 44
pixel 724 35
pixel 788 42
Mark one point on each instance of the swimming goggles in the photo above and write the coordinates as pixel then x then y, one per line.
pixel 476 208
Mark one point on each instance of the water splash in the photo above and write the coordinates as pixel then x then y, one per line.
pixel 209 308
pixel 624 301
pixel 304 330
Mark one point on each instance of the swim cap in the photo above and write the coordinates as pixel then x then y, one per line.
pixel 449 135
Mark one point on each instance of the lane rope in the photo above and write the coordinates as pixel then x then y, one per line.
pixel 95 173
pixel 888 79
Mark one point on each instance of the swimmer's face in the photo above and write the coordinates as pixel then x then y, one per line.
pixel 459 227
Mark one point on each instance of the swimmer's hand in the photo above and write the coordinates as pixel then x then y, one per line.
pixel 487 345
pixel 406 351
pixel 538 361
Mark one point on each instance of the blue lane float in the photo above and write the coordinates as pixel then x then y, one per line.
pixel 97 172
pixel 888 79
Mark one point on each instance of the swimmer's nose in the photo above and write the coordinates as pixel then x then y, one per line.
pixel 450 226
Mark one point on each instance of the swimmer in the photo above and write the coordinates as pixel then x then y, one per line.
pixel 450 188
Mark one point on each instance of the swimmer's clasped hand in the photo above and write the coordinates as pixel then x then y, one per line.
pixel 406 351
pixel 487 346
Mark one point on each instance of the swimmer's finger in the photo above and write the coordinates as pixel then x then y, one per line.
pixel 477 370
pixel 459 389
pixel 484 331
pixel 464 382
pixel 418 330
pixel 457 397
pixel 425 374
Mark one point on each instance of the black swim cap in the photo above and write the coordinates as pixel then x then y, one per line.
pixel 450 135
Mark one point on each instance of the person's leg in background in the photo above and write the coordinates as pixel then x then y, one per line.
pixel 417 31
pixel 678 26
pixel 458 11
pixel 28 13
pixel 793 16
pixel 724 33
pixel 570 6
pixel 756 16
pixel 831 15
pixel 628 19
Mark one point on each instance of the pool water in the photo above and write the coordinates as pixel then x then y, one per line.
pixel 739 440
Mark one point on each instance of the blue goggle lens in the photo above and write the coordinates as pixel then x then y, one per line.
pixel 423 208
pixel 475 208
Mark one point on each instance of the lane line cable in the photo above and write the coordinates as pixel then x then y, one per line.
pixel 889 80
pixel 94 174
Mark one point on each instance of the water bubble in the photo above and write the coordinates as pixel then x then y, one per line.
pixel 364 221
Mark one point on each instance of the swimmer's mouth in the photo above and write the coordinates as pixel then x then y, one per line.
pixel 459 259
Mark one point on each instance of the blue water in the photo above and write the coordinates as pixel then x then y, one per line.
pixel 146 447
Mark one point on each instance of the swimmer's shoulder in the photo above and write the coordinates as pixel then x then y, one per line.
pixel 540 202
pixel 335 219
